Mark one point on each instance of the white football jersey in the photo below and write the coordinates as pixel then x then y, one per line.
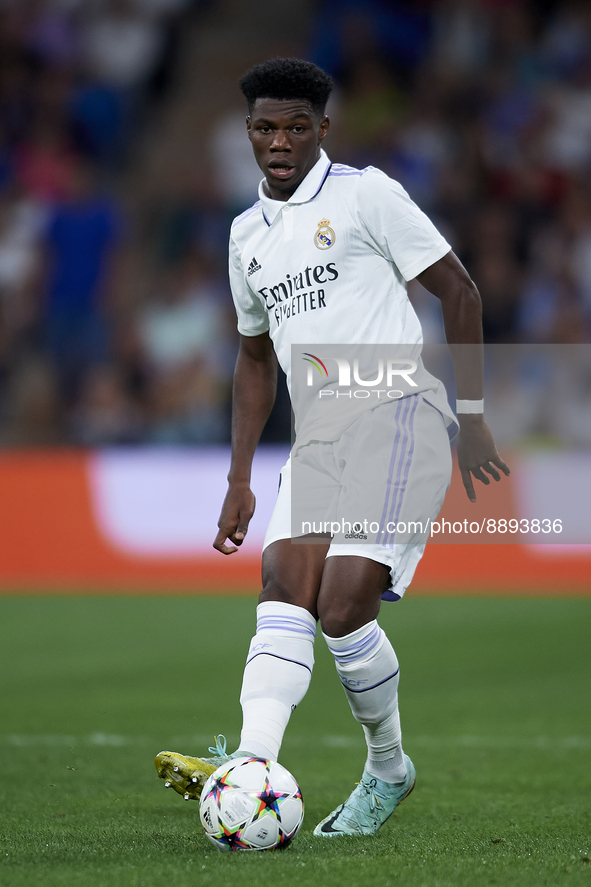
pixel 331 264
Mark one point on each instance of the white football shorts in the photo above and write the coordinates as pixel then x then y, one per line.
pixel 375 490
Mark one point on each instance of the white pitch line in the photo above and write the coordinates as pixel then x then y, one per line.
pixel 201 742
pixel 24 740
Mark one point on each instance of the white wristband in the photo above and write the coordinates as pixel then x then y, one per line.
pixel 470 406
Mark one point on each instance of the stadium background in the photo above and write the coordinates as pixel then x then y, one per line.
pixel 122 161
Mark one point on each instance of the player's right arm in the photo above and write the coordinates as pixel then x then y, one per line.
pixel 255 386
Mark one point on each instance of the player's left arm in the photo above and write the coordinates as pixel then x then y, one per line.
pixel 462 317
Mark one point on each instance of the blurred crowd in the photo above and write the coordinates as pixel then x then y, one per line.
pixel 480 108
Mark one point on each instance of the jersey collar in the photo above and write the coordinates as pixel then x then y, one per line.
pixel 307 190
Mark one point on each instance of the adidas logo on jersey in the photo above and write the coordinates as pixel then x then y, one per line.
pixel 254 266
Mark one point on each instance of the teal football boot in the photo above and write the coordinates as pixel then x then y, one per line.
pixel 368 806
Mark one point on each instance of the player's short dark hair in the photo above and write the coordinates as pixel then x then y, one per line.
pixel 285 79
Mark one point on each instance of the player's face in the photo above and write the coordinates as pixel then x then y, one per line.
pixel 286 138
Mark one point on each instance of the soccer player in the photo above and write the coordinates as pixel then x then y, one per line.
pixel 324 257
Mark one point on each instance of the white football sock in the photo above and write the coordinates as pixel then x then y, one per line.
pixel 368 668
pixel 276 676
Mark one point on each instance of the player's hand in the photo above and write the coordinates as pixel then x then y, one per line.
pixel 237 510
pixel 477 454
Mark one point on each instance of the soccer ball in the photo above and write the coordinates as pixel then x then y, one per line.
pixel 251 804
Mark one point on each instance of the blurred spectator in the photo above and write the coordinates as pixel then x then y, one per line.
pixel 105 413
pixel 398 31
pixel 545 289
pixel 462 36
pixel 50 32
pixel 570 420
pixel 121 45
pixel 21 221
pixel 16 101
pixel 188 319
pixel 188 406
pixel 81 238
pixel 516 380
pixel 498 279
pixel 192 214
pixel 97 118
pixel 185 335
pixel 568 139
pixel 33 408
pixel 46 164
pixel 576 223
pixel 421 149
pixel 567 39
pixel 237 181
pixel 480 108
pixel 163 7
pixel 373 102
pixel 6 162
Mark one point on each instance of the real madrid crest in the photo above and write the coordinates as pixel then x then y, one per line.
pixel 325 236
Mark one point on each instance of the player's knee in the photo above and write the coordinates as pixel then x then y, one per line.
pixel 277 591
pixel 337 621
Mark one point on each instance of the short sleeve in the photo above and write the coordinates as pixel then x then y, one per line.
pixel 252 317
pixel 395 226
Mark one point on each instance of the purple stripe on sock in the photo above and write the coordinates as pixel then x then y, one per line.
pixel 358 650
pixel 356 645
pixel 270 629
pixel 362 654
pixel 360 641
pixel 278 623
pixel 288 620
pixel 287 617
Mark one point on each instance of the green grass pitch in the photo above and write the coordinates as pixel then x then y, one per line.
pixel 495 701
